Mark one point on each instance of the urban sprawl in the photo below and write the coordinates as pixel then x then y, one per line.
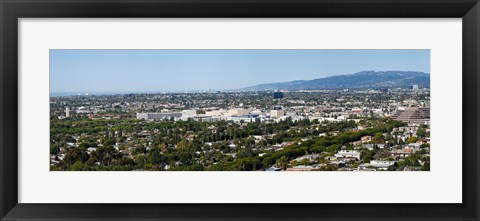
pixel 325 130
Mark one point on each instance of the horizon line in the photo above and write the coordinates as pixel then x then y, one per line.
pixel 221 90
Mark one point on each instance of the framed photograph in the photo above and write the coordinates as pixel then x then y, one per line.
pixel 227 110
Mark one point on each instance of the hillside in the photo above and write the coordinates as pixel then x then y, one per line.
pixel 364 79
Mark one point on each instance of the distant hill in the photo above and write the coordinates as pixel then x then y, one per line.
pixel 364 79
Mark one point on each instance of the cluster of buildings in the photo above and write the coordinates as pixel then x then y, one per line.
pixel 407 105
pixel 409 115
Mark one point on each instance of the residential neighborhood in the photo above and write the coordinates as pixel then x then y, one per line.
pixel 369 129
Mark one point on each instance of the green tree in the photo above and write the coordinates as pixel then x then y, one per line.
pixel 54 149
pixel 412 140
pixel 183 144
pixel 109 142
pixel 421 132
pixel 73 155
pixel 282 162
pixel 77 166
pixel 378 138
pixel 154 156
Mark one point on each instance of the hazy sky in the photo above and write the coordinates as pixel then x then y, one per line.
pixel 178 70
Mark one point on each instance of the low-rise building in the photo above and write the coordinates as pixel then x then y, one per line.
pixel 244 118
pixel 158 116
pixel 301 168
pixel 401 153
pixel 343 154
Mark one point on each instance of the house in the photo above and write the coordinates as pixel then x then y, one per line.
pixel 71 144
pixel 257 138
pixel 345 160
pixel 331 158
pixel 414 146
pixel 344 154
pixel 366 139
pixel 401 153
pixel 371 146
pixel 190 137
pixel 231 154
pixel 301 168
pixel 273 168
pixel 309 157
pixel 368 146
pixel 360 168
pixel 276 146
pixel 357 143
pixel 383 164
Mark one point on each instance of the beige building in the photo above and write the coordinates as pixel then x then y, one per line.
pixel 277 113
pixel 238 112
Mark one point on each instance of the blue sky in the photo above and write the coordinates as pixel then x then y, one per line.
pixel 180 70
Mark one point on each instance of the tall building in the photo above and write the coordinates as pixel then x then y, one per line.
pixel 415 87
pixel 68 112
pixel 413 115
pixel 277 95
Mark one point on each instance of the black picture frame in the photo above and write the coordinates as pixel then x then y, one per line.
pixel 12 10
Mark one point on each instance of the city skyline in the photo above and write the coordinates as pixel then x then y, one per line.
pixel 149 71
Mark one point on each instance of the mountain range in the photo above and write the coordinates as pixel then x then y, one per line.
pixel 363 79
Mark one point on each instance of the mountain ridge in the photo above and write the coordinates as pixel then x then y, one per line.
pixel 362 79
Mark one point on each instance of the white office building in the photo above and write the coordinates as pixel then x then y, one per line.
pixel 158 116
